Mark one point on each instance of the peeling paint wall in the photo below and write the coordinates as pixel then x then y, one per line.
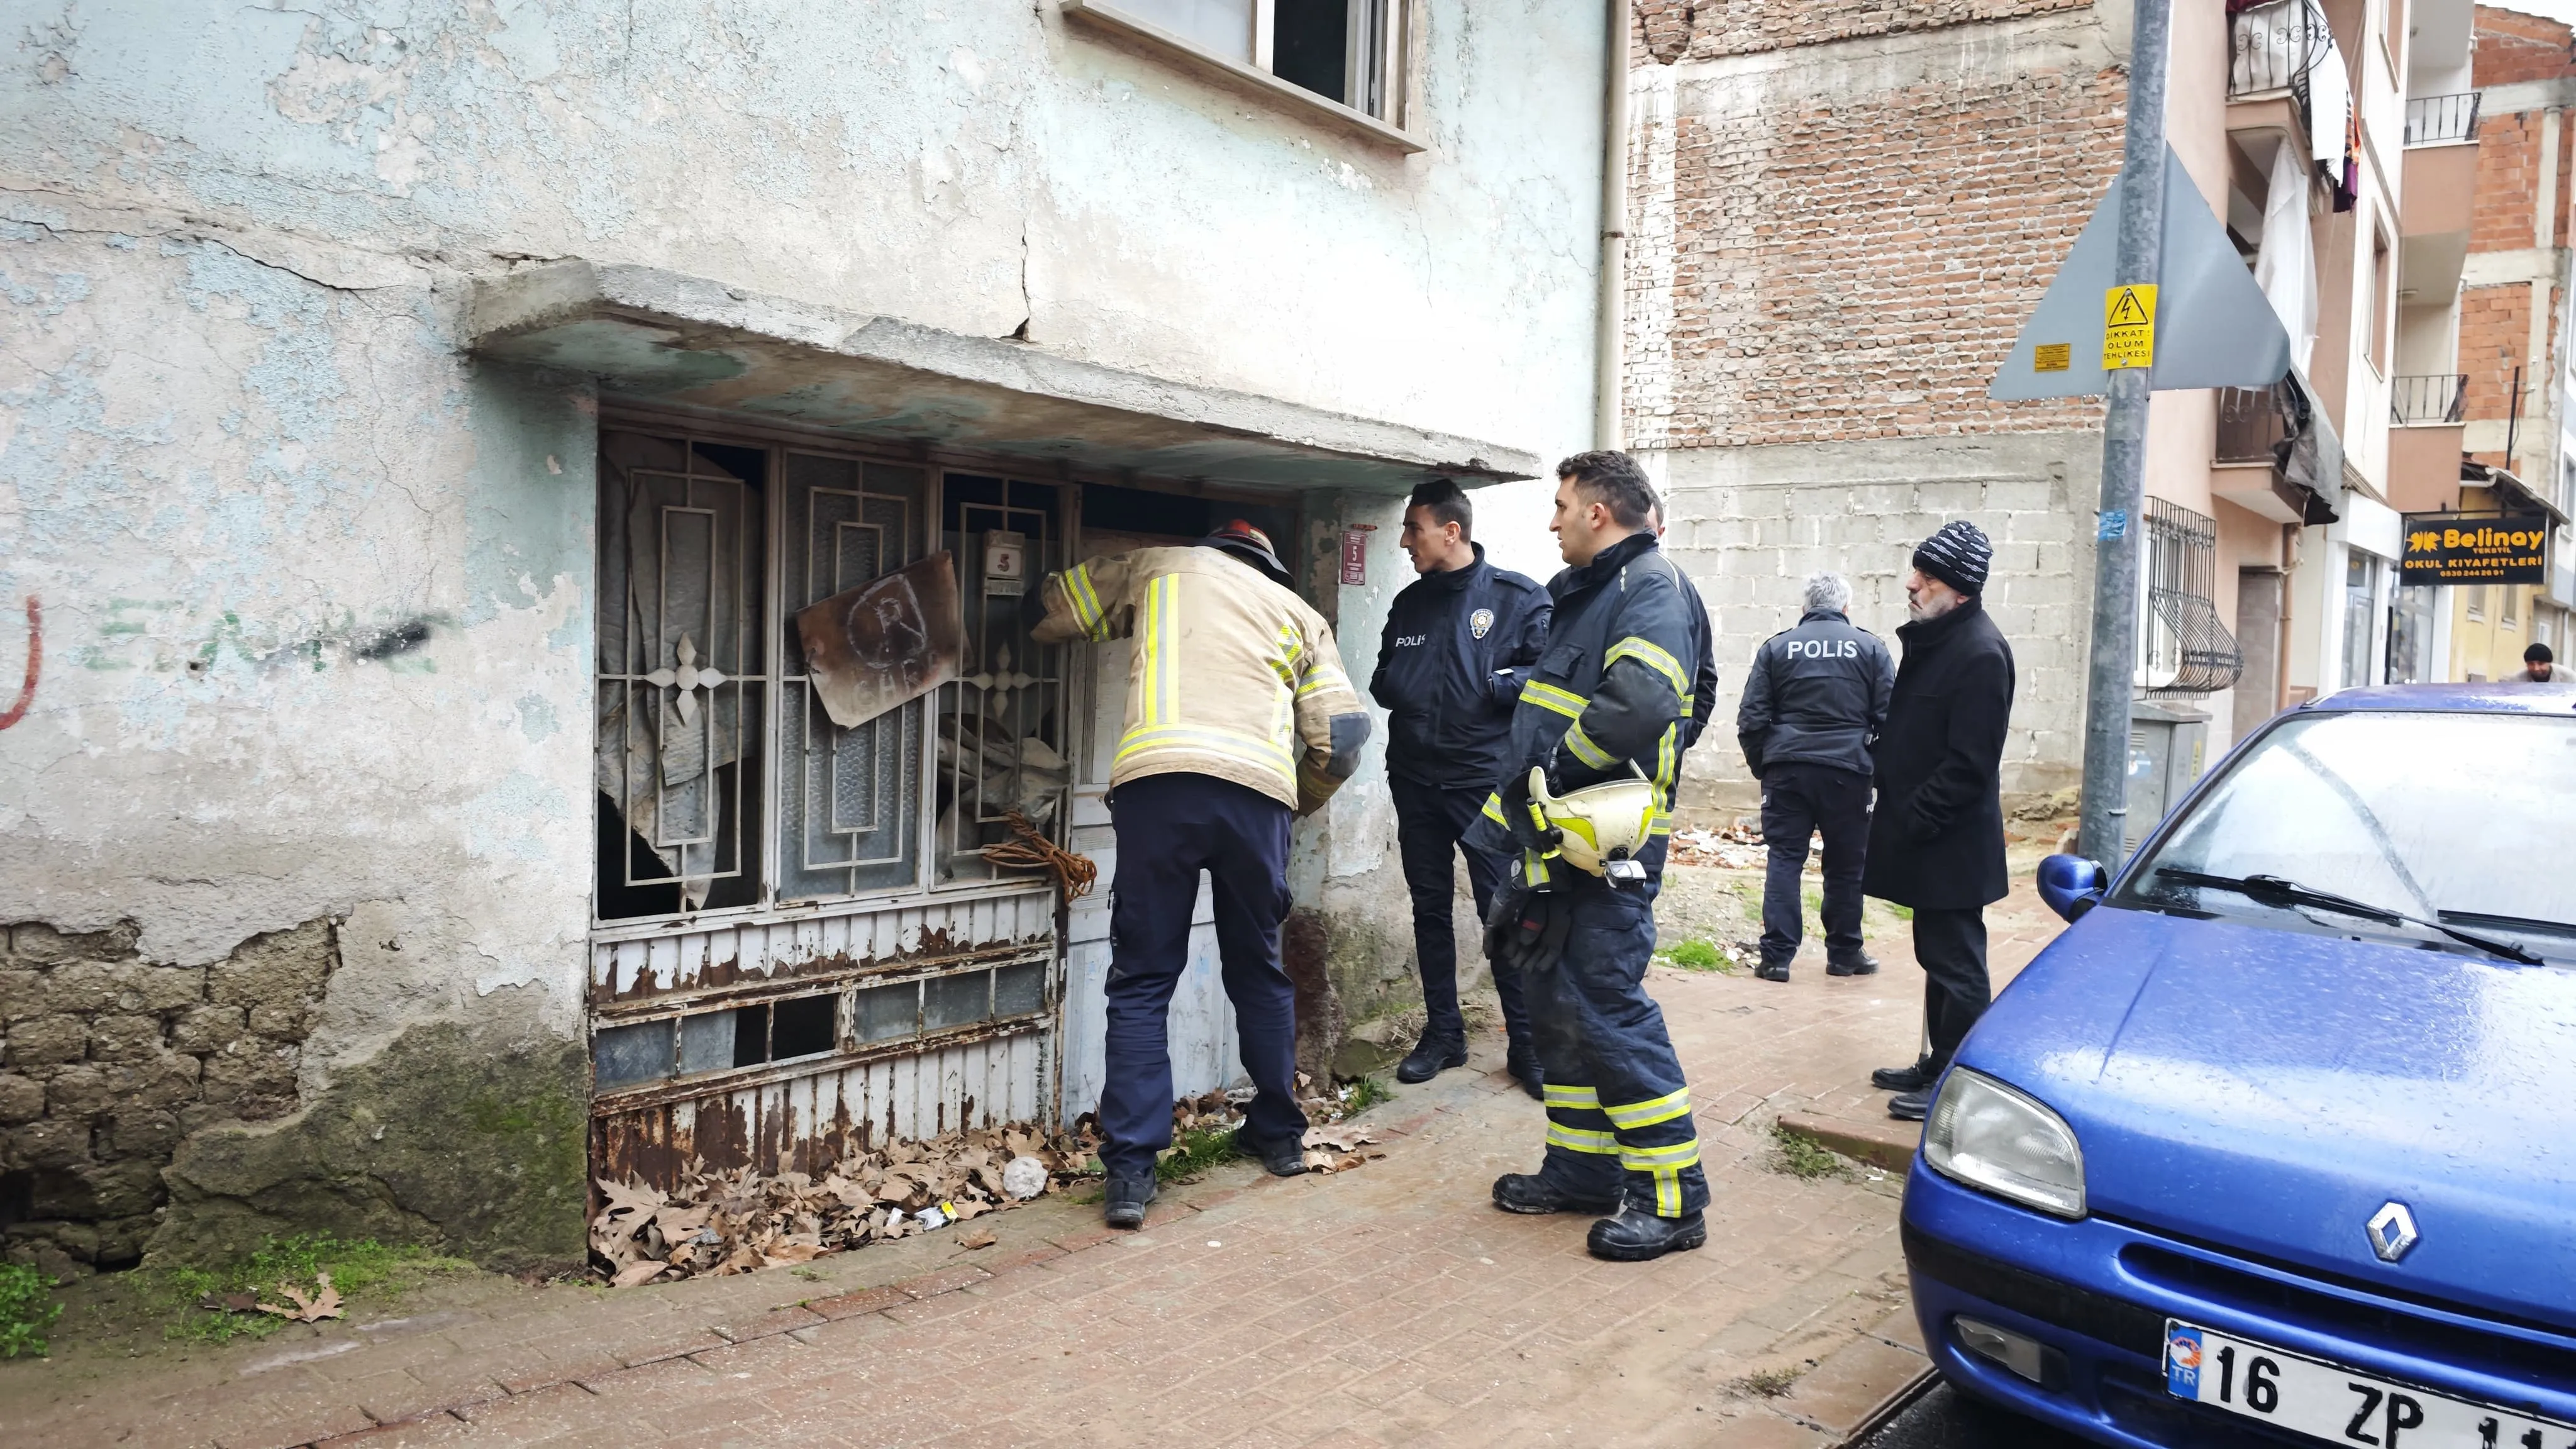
pixel 313 589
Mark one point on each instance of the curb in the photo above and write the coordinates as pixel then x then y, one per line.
pixel 1889 1145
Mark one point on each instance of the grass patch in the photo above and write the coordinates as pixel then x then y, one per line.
pixel 1771 1383
pixel 1194 1154
pixel 1902 913
pixel 27 1309
pixel 1365 1093
pixel 1802 1155
pixel 1696 954
pixel 363 1269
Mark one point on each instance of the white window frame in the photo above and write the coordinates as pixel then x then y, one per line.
pixel 1110 19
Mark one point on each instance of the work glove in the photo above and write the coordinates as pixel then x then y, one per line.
pixel 1531 938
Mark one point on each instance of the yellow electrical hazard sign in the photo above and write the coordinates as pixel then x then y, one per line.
pixel 2129 327
pixel 2052 357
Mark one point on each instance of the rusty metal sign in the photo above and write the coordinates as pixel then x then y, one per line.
pixel 885 643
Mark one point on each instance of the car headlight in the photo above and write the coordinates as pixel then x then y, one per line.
pixel 1989 1136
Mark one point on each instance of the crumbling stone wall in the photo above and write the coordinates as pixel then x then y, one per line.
pixel 109 1061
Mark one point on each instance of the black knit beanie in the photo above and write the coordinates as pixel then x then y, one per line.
pixel 1957 555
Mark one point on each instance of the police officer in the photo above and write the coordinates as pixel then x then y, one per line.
pixel 1606 703
pixel 1458 643
pixel 1812 703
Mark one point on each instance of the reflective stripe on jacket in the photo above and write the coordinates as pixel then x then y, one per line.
pixel 1233 676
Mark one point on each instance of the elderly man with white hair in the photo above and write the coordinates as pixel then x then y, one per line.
pixel 1812 703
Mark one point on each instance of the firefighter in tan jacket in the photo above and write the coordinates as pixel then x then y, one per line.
pixel 1238 714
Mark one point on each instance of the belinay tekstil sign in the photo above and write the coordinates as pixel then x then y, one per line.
pixel 2474 548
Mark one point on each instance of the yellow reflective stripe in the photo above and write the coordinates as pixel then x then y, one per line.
pixel 1688 703
pixel 1667 758
pixel 1323 676
pixel 1548 696
pixel 1163 650
pixel 1654 656
pixel 1533 869
pixel 1494 810
pixel 1559 1096
pixel 1646 1114
pixel 1086 603
pixel 1586 751
pixel 1668 1194
pixel 1575 1139
pixel 1269 754
pixel 1660 1159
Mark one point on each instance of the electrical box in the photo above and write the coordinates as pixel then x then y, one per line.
pixel 2166 744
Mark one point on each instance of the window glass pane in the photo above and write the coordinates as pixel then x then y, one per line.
pixel 1311 45
pixel 707 1041
pixel 1001 728
pixel 849 809
pixel 625 1055
pixel 1019 990
pixel 803 1027
pixel 1223 27
pixel 882 1013
pixel 955 1000
pixel 2360 591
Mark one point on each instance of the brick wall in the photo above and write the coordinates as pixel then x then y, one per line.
pixel 2514 47
pixel 107 1060
pixel 2496 318
pixel 1670 30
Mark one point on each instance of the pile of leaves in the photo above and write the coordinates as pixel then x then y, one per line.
pixel 1737 847
pixel 733 1220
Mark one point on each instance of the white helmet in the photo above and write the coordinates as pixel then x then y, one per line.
pixel 1598 823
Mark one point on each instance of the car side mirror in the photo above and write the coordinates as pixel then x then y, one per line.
pixel 2072 884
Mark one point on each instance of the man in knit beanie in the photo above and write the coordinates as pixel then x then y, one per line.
pixel 1936 837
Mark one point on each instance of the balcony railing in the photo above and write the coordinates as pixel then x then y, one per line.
pixel 2250 421
pixel 2271 47
pixel 2433 119
pixel 2428 400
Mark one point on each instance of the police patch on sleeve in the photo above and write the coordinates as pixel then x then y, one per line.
pixel 1480 621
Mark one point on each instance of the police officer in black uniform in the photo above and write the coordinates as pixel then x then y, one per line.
pixel 1458 645
pixel 1812 704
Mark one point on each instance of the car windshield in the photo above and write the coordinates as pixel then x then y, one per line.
pixel 2465 819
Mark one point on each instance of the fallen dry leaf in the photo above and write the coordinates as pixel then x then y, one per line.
pixel 1341 1137
pixel 324 1304
pixel 978 1238
pixel 634 1273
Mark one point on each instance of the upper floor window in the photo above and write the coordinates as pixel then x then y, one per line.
pixel 1349 53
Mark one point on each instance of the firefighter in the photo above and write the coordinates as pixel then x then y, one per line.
pixel 1238 715
pixel 1458 643
pixel 1603 719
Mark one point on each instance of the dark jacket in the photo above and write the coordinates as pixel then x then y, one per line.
pixel 1450 664
pixel 1816 694
pixel 1936 838
pixel 1621 659
pixel 1700 704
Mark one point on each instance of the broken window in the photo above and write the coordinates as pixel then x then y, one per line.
pixel 1001 723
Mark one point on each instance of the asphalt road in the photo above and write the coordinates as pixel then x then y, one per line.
pixel 1943 1419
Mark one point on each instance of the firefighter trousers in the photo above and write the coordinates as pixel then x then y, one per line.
pixel 1618 1111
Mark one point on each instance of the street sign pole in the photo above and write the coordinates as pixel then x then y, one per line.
pixel 2114 651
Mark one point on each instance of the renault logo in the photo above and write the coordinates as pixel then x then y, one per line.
pixel 2392 1232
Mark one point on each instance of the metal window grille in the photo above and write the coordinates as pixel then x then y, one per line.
pixel 2433 119
pixel 2188 651
pixel 1001 727
pixel 2430 398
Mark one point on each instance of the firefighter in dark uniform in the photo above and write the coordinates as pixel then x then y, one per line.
pixel 1606 714
pixel 1812 705
pixel 1459 643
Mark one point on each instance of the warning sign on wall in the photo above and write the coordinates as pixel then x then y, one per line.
pixel 2129 327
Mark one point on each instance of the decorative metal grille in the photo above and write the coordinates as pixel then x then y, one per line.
pixel 2188 651
pixel 1001 727
pixel 2272 47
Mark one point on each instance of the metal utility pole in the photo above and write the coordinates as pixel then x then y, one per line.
pixel 1608 427
pixel 2114 654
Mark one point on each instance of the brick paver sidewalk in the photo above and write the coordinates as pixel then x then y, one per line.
pixel 1388 1305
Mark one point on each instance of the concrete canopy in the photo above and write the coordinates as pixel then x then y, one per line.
pixel 658 336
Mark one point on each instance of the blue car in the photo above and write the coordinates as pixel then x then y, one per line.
pixel 2276 1143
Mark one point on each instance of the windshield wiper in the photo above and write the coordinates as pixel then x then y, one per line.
pixel 2280 894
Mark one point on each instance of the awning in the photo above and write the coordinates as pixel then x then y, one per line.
pixel 658 336
pixel 2515 491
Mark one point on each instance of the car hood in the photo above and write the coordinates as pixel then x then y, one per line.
pixel 2268 1091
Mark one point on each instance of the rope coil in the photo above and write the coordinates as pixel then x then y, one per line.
pixel 1029 850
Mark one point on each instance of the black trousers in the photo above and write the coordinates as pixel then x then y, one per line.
pixel 1171 827
pixel 1800 798
pixel 1430 824
pixel 1951 948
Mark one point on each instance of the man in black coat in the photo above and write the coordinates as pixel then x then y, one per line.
pixel 1814 697
pixel 1458 646
pixel 1936 839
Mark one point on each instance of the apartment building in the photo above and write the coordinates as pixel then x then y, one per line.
pixel 421 430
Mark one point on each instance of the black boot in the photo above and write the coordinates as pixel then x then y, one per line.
pixel 1527 1192
pixel 1911 1106
pixel 1127 1197
pixel 1915 1078
pixel 1859 963
pixel 1772 971
pixel 1630 1236
pixel 1283 1159
pixel 1522 1063
pixel 1430 1057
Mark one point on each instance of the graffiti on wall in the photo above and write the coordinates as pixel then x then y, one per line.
pixel 35 664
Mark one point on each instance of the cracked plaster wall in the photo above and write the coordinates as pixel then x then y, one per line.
pixel 316 587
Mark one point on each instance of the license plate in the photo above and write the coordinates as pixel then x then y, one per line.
pixel 2337 1405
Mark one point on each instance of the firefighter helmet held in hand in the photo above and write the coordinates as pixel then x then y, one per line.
pixel 1598 823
